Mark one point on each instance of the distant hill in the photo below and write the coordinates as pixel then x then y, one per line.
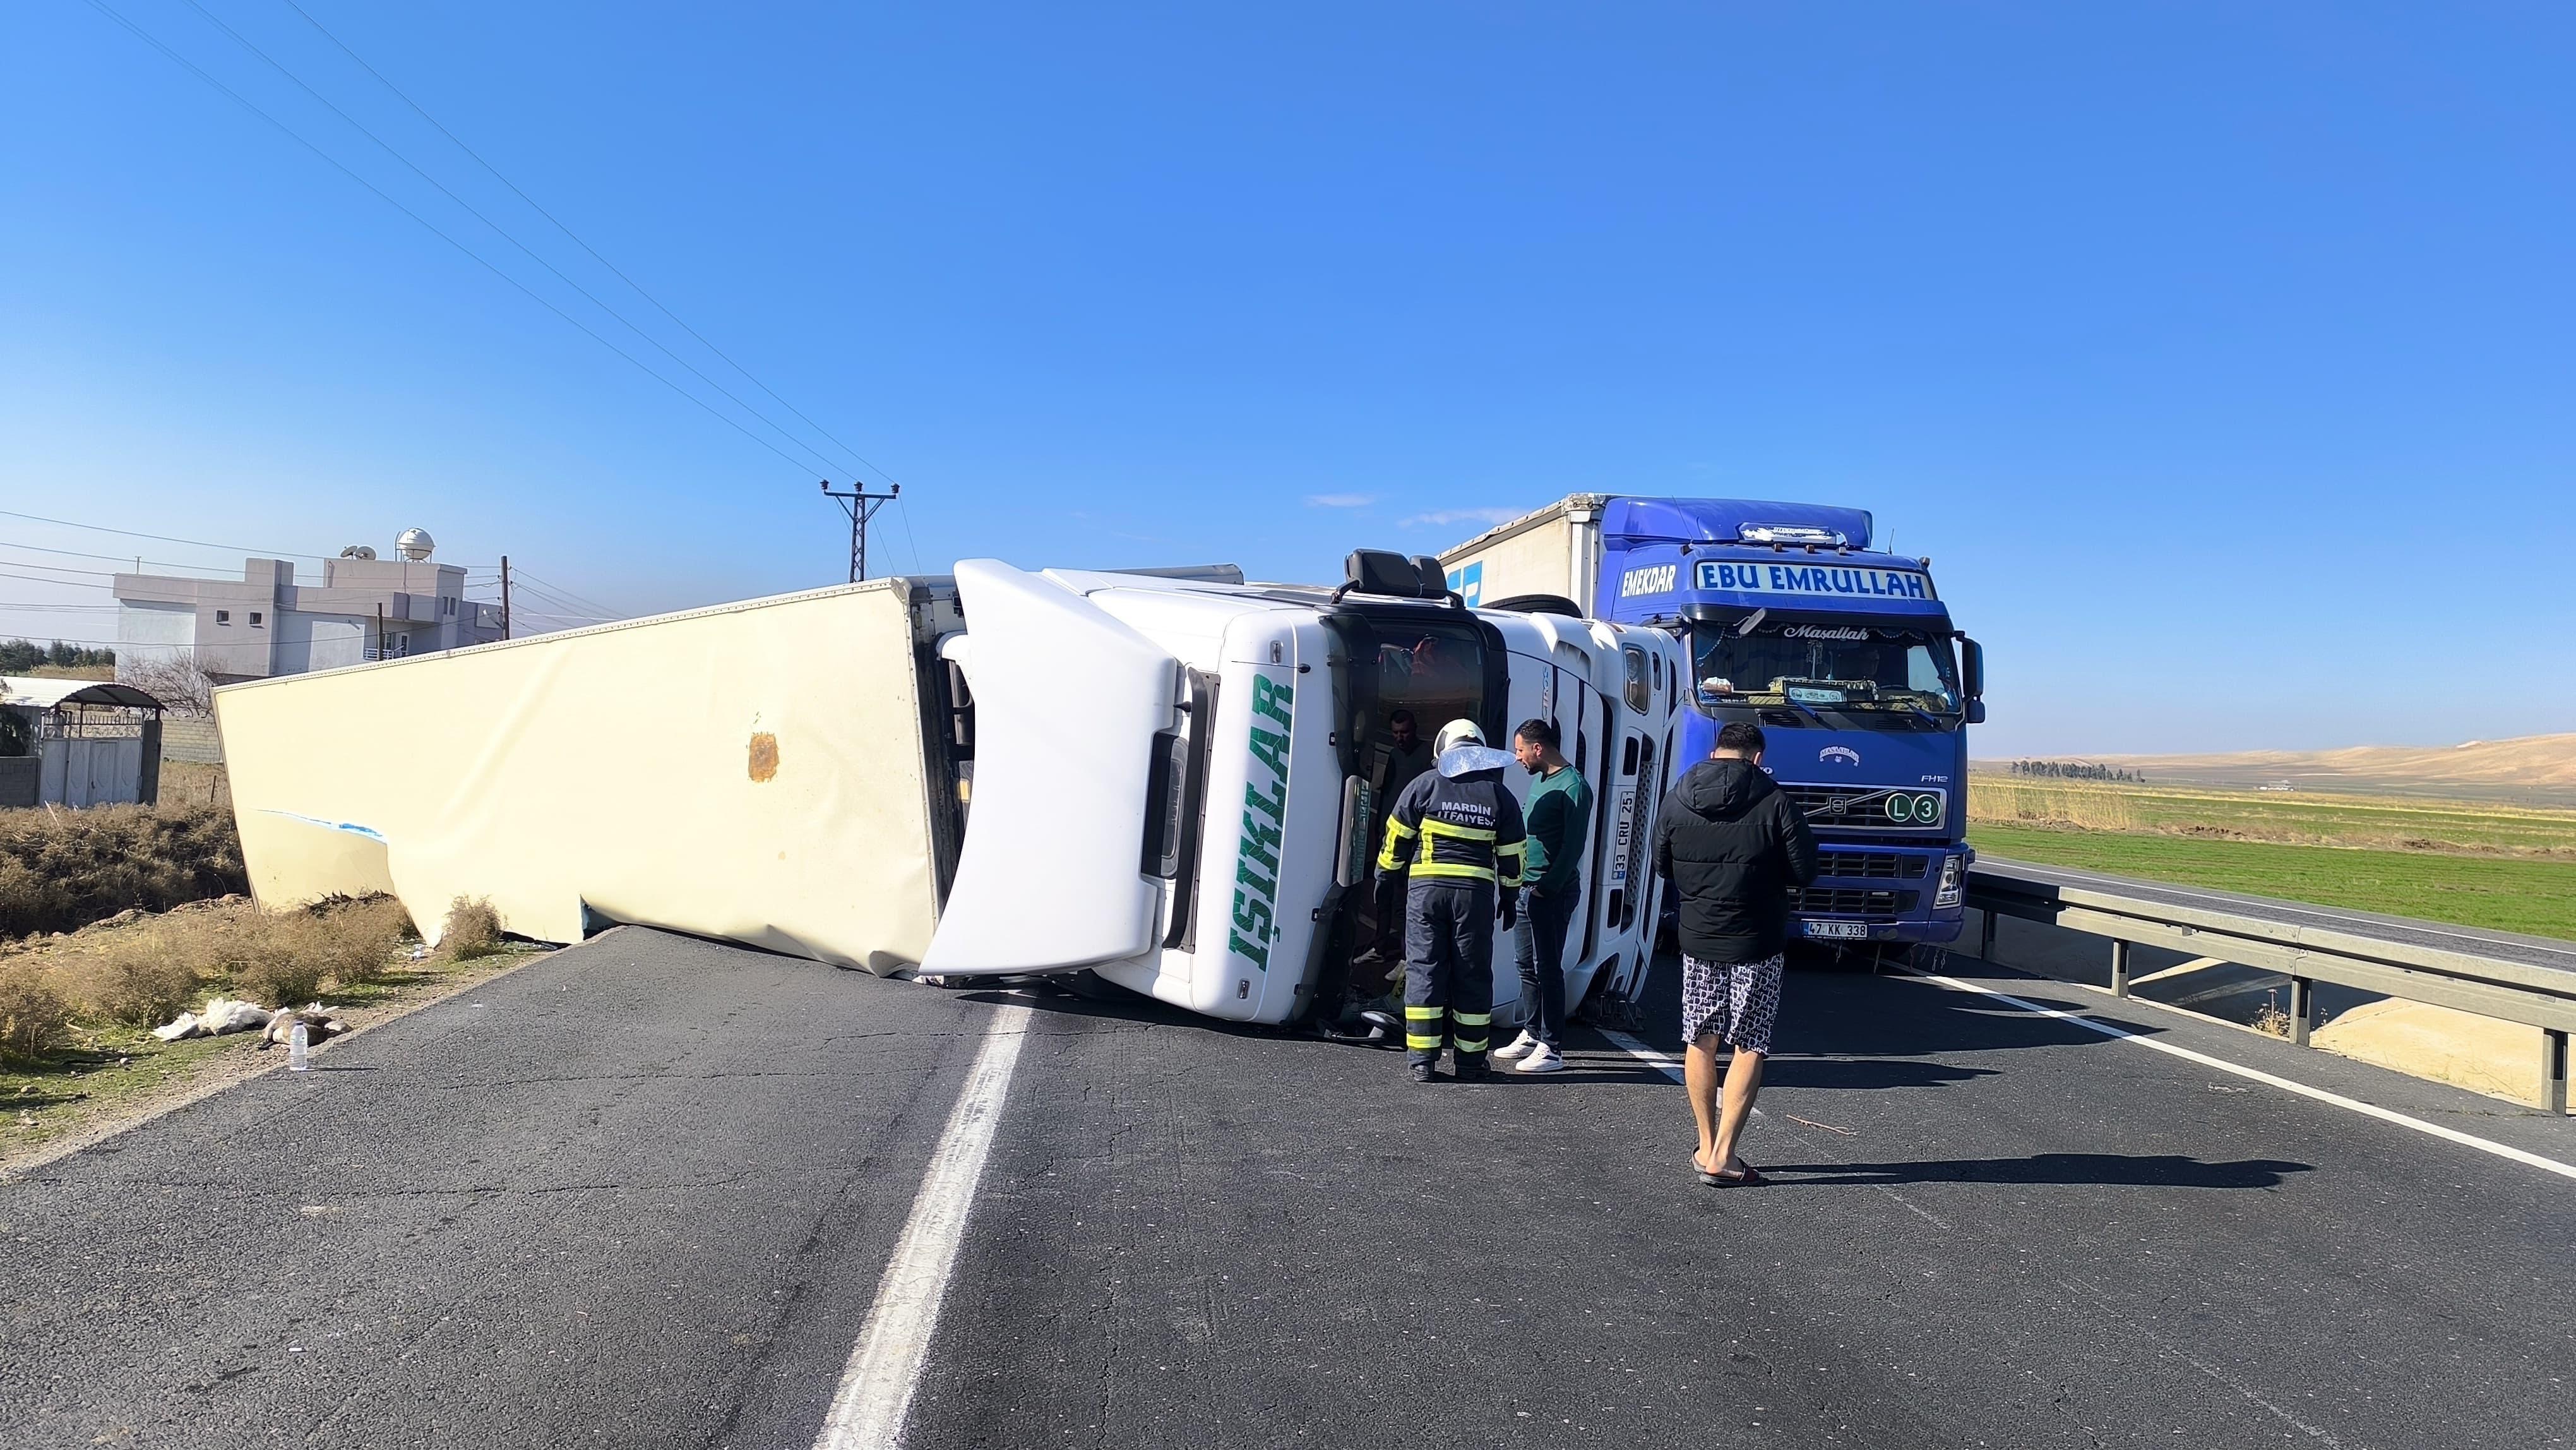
pixel 2535 769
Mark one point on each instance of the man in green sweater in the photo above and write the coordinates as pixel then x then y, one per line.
pixel 1559 812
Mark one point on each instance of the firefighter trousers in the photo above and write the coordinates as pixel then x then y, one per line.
pixel 1448 968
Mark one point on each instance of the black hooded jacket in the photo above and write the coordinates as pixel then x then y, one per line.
pixel 1733 846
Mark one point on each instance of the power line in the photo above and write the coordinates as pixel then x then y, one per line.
pixel 114 558
pixel 904 512
pixel 66 639
pixel 40 579
pixel 506 235
pixel 595 256
pixel 561 608
pixel 563 594
pixel 291 134
pixel 137 534
pixel 62 569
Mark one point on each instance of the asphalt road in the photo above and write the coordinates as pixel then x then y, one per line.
pixel 2502 945
pixel 641 1193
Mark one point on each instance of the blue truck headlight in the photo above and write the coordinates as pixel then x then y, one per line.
pixel 1954 882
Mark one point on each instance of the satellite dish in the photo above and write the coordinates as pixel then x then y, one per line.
pixel 358 551
pixel 415 544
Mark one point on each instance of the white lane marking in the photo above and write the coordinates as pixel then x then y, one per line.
pixel 875 1393
pixel 1663 1062
pixel 2367 1110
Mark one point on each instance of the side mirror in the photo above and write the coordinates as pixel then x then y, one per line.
pixel 1976 712
pixel 1972 668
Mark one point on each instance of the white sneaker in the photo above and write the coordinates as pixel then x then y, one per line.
pixel 1542 1058
pixel 1519 1046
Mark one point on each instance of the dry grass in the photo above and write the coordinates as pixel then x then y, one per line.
pixel 33 1015
pixel 473 929
pixel 2269 1018
pixel 61 870
pixel 194 783
pixel 2035 802
pixel 145 972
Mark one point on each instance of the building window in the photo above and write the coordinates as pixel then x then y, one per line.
pixel 223 616
pixel 255 621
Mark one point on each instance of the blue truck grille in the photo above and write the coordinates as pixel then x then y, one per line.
pixel 1871 865
pixel 1852 901
pixel 1867 808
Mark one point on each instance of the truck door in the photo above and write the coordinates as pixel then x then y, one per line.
pixel 1075 722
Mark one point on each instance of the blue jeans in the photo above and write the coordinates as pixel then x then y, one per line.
pixel 1538 949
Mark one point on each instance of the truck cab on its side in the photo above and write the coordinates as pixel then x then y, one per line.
pixel 1238 734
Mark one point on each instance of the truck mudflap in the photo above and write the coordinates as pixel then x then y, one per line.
pixel 1068 703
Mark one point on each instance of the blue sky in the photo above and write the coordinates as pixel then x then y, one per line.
pixel 2218 355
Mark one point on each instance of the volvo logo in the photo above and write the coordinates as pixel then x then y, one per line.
pixel 1843 753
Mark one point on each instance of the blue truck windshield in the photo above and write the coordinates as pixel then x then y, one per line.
pixel 1863 674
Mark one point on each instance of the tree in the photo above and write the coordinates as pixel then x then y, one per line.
pixel 181 685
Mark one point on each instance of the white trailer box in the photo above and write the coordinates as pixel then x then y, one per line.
pixel 1554 551
pixel 753 771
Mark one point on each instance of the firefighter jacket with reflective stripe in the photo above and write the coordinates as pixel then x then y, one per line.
pixel 1456 828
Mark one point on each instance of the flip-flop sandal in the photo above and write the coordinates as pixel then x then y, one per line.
pixel 1751 1177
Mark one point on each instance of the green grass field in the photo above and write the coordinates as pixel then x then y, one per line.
pixel 2532 894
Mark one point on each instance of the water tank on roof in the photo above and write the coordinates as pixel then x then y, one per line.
pixel 415 544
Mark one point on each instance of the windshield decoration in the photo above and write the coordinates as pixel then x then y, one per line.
pixel 1846 675
pixel 1840 580
pixel 1265 816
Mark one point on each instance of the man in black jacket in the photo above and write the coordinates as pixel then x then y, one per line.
pixel 1733 846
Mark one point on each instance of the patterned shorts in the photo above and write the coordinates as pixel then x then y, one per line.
pixel 1734 1000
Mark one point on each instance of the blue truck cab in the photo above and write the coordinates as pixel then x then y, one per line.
pixel 1846 657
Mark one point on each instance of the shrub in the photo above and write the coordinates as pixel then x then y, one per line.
pixel 356 940
pixel 473 929
pixel 274 970
pixel 32 1014
pixel 143 980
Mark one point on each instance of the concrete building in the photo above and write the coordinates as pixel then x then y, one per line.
pixel 268 624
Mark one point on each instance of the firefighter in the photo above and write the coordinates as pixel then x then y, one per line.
pixel 1460 831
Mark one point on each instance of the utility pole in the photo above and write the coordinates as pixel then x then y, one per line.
pixel 505 596
pixel 861 506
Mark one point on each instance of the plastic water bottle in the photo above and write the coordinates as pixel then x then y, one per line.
pixel 299 1049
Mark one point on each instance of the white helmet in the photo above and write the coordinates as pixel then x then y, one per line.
pixel 1455 734
pixel 1460 750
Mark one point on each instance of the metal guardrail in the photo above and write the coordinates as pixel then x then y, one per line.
pixel 2526 992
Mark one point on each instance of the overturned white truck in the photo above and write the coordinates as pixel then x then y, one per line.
pixel 1168 778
